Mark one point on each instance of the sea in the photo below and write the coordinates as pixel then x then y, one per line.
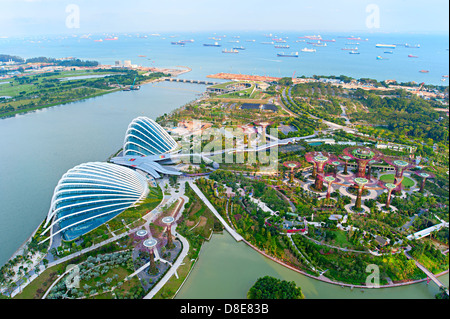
pixel 258 57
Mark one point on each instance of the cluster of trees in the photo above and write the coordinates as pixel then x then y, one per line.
pixel 273 288
pixel 70 62
pixel 426 253
pixel 7 57
pixel 403 115
pixel 93 279
pixel 304 125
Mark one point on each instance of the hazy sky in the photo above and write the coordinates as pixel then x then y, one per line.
pixel 34 17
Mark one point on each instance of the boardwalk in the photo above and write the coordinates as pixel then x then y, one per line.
pixel 200 194
pixel 427 272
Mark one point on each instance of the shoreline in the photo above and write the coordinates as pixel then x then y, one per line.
pixel 329 281
pixel 40 107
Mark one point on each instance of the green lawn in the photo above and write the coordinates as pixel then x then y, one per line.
pixel 389 178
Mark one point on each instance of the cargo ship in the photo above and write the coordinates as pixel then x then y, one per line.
pixel 388 52
pixel 281 46
pixel 353 52
pixel 250 40
pixel 177 43
pixel 239 48
pixel 416 46
pixel 412 56
pixel 266 42
pixel 308 50
pixel 230 51
pixel 187 41
pixel 215 44
pixel 424 71
pixel 350 49
pixel 391 46
pixel 288 55
pixel 319 44
pixel 111 39
pixel 379 58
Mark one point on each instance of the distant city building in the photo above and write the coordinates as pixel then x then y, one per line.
pixel 396 147
pixel 127 64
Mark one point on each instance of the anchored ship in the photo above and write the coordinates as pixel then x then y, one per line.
pixel 288 55
pixel 391 46
pixel 230 51
pixel 215 44
pixel 308 50
pixel 281 46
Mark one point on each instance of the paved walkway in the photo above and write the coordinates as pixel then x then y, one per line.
pixel 173 269
pixel 200 194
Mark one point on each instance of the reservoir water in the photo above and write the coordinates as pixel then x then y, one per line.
pixel 227 269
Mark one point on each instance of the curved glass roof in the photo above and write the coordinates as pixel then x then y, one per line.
pixel 90 194
pixel 146 137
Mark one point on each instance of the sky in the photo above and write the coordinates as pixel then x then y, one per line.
pixel 43 17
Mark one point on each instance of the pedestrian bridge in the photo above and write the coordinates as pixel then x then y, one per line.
pixel 191 81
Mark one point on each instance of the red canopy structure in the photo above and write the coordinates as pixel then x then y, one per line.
pixel 346 158
pixel 329 180
pixel 390 187
pixel 292 165
pixel 361 182
pixel 425 176
pixel 362 155
pixel 319 159
pixel 400 166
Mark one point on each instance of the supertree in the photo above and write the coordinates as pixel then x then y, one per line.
pixel 400 166
pixel 425 176
pixel 151 244
pixel 335 165
pixel 346 158
pixel 360 182
pixel 248 132
pixel 390 187
pixel 263 125
pixel 168 220
pixel 369 169
pixel 362 155
pixel 145 243
pixel 329 180
pixel 319 159
pixel 292 165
